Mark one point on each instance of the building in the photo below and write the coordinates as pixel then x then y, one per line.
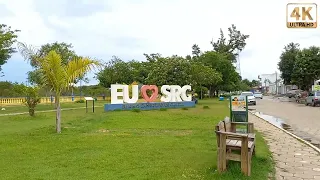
pixel 273 84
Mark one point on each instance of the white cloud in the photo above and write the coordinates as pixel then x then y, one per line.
pixel 168 27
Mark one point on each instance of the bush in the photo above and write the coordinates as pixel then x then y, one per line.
pixel 163 109
pixel 32 99
pixel 80 101
pixel 136 110
pixel 184 108
pixel 206 107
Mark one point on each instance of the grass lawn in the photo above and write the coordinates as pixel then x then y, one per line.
pixel 43 107
pixel 172 144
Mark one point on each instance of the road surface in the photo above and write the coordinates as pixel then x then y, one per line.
pixel 304 120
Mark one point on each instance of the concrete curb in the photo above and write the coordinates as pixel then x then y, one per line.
pixel 289 133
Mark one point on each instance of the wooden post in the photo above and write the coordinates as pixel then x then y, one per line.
pixel 245 156
pixel 230 101
pixel 93 106
pixel 222 161
pixel 86 106
pixel 247 115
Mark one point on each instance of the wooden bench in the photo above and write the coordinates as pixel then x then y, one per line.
pixel 230 142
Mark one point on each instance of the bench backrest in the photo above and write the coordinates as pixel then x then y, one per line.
pixel 219 127
pixel 227 124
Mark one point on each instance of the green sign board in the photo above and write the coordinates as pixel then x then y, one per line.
pixel 316 87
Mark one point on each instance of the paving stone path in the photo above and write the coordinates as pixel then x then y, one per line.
pixel 294 159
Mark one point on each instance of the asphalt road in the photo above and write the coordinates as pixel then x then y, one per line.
pixel 304 120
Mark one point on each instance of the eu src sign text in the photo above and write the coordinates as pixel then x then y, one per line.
pixel 170 93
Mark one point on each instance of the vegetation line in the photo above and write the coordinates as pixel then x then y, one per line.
pixel 53 110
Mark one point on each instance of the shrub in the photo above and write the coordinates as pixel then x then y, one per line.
pixel 184 108
pixel 163 109
pixel 32 99
pixel 136 110
pixel 80 101
pixel 206 107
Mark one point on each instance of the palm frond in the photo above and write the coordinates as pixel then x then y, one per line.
pixel 28 52
pixel 78 67
pixel 54 75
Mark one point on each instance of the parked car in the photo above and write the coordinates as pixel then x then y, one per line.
pixel 258 95
pixel 293 93
pixel 251 98
pixel 313 98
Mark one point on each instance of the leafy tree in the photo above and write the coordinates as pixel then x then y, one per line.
pixel 115 71
pixel 196 50
pixel 231 47
pixel 34 77
pixel 32 55
pixel 243 86
pixel 255 83
pixel 202 75
pixel 152 57
pixel 58 76
pixel 247 82
pixel 170 70
pixel 287 61
pixel 221 63
pixel 307 67
pixel 7 38
pixel 139 70
pixel 32 99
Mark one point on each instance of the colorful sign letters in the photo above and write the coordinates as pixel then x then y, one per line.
pixel 170 93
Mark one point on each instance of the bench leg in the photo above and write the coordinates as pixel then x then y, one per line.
pixel 222 159
pixel 245 157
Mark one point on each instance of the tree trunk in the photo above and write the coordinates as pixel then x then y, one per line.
pixel 58 115
pixel 200 92
pixel 31 111
pixel 212 90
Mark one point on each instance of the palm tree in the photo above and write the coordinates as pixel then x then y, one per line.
pixel 56 75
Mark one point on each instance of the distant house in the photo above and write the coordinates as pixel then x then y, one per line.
pixel 273 84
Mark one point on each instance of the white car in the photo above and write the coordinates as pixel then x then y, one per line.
pixel 258 95
pixel 251 98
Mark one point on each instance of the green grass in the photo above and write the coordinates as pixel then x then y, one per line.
pixel 171 144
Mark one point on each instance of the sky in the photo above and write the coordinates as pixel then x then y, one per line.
pixel 129 28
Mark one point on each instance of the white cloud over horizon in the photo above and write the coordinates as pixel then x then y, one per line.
pixel 128 29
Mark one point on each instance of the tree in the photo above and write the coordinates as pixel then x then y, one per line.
pixel 32 99
pixel 287 62
pixel 58 76
pixel 247 82
pixel 221 63
pixel 231 47
pixel 115 71
pixel 7 38
pixel 196 50
pixel 32 55
pixel 169 70
pixel 307 67
pixel 202 75
pixel 255 83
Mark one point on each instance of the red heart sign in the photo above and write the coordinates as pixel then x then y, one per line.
pixel 154 90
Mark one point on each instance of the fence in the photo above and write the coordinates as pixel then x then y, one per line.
pixel 63 99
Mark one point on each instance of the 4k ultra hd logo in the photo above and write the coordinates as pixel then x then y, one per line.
pixel 302 15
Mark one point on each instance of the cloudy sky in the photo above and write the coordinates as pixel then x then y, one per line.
pixel 129 28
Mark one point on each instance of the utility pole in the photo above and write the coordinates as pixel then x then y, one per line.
pixel 276 83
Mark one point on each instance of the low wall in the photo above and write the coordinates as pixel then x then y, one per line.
pixel 19 100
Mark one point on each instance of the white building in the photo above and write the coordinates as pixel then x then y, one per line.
pixel 273 84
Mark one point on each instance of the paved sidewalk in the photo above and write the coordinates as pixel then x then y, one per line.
pixel 294 159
